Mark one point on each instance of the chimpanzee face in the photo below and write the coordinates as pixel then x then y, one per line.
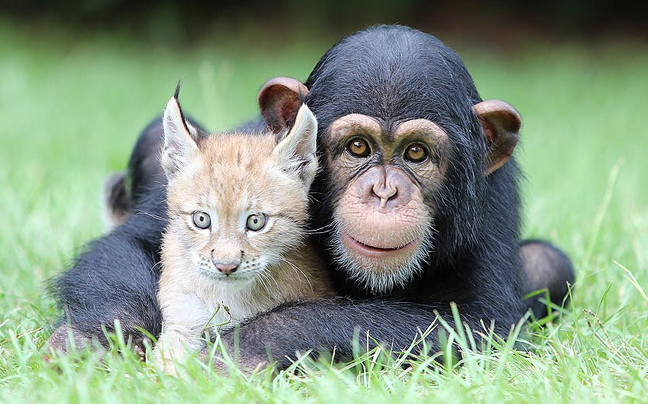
pixel 405 146
pixel 382 222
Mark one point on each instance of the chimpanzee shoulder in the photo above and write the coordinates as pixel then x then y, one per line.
pixel 115 276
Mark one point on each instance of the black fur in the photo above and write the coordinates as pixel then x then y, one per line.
pixel 393 73
pixel 116 276
pixel 144 170
pixel 548 270
pixel 396 74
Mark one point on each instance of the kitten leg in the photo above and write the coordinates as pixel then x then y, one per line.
pixel 184 317
pixel 173 347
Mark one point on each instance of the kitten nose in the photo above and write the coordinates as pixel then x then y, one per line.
pixel 226 268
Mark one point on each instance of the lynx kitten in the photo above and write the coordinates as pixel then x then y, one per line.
pixel 236 243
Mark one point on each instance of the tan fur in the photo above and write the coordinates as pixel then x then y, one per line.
pixel 231 177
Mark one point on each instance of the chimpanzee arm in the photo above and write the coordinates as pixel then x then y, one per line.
pixel 114 279
pixel 332 326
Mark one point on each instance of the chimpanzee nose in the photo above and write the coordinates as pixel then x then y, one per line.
pixel 387 186
pixel 385 191
pixel 226 268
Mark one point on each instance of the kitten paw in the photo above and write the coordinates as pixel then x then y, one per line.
pixel 165 363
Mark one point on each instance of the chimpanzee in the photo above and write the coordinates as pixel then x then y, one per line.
pixel 416 207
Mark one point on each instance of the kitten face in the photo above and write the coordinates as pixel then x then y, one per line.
pixel 237 202
pixel 237 209
pixel 235 205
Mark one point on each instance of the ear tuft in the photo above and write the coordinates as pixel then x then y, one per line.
pixel 176 94
pixel 180 138
pixel 501 123
pixel 279 100
pixel 298 149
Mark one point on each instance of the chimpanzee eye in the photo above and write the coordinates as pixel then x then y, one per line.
pixel 201 219
pixel 256 222
pixel 358 147
pixel 415 153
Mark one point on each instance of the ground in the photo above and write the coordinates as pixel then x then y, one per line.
pixel 71 106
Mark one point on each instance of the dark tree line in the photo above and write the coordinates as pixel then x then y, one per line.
pixel 572 16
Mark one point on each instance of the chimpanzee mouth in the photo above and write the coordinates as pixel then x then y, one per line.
pixel 376 252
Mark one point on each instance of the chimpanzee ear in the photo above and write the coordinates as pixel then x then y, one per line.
pixel 279 100
pixel 297 151
pixel 501 124
pixel 180 138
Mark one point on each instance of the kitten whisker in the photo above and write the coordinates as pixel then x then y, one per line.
pixel 156 217
pixel 320 230
pixel 273 279
pixel 298 271
pixel 262 277
pixel 268 279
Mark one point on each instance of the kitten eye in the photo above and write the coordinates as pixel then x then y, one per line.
pixel 416 153
pixel 256 222
pixel 201 220
pixel 358 147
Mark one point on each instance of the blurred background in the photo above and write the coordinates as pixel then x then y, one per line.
pixel 187 21
pixel 80 78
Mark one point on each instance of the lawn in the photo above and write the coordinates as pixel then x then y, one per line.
pixel 71 106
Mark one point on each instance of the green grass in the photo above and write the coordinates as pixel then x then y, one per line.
pixel 71 105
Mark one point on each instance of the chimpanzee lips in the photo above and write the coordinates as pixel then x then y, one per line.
pixel 377 252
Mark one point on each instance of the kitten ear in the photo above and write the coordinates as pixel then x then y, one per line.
pixel 298 149
pixel 180 138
